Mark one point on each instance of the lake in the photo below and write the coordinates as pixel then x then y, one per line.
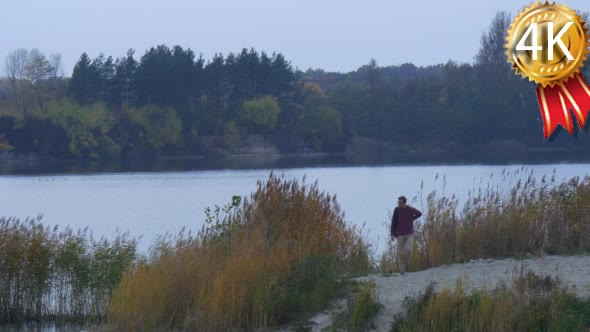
pixel 148 204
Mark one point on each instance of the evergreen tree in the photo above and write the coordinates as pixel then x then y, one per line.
pixel 124 91
pixel 85 81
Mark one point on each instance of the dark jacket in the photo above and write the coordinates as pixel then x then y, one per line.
pixel 402 221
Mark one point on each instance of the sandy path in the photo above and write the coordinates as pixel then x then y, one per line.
pixel 574 271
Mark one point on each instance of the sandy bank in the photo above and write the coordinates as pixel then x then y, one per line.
pixel 574 271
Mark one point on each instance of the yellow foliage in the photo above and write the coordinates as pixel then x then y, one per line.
pixel 277 255
pixel 533 218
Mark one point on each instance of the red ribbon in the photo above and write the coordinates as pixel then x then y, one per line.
pixel 557 101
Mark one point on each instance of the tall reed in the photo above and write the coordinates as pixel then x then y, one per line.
pixel 263 262
pixel 532 217
pixel 48 274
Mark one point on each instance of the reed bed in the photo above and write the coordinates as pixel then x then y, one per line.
pixel 532 217
pixel 266 261
pixel 529 303
pixel 270 258
pixel 62 276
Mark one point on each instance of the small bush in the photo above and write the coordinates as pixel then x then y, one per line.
pixel 364 307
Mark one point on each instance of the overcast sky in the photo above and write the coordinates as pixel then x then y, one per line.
pixel 336 35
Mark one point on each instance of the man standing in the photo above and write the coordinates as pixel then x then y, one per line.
pixel 402 228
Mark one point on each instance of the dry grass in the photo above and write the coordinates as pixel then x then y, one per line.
pixel 47 274
pixel 533 218
pixel 265 262
pixel 281 253
pixel 530 303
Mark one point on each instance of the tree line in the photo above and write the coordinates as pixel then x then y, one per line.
pixel 173 101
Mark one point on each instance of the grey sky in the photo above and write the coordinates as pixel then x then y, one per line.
pixel 336 35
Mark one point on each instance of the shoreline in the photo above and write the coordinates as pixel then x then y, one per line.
pixel 173 163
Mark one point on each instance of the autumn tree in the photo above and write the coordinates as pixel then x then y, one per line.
pixel 260 115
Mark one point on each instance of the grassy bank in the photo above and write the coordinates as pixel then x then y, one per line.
pixel 62 276
pixel 535 217
pixel 267 261
pixel 530 303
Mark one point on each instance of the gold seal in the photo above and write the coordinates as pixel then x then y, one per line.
pixel 547 43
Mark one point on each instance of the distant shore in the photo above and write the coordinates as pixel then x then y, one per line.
pixel 22 164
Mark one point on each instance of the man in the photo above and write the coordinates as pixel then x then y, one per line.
pixel 402 228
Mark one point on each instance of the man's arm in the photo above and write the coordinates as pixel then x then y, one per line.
pixel 394 220
pixel 417 213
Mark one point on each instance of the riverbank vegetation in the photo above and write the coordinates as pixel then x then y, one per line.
pixel 280 254
pixel 535 217
pixel 529 303
pixel 283 252
pixel 172 101
pixel 271 258
pixel 58 275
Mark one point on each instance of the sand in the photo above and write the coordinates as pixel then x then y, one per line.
pixel 574 271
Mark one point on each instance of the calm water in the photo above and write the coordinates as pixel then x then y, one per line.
pixel 151 204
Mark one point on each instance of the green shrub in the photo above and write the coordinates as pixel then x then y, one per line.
pixel 364 307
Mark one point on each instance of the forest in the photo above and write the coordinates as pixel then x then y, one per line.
pixel 171 101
